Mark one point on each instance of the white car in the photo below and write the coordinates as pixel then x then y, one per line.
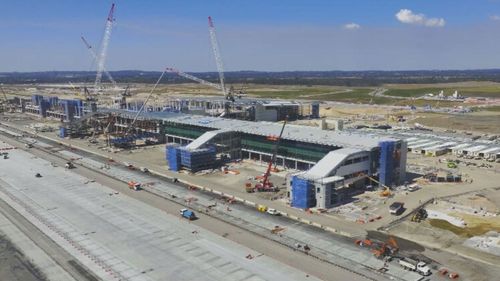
pixel 273 212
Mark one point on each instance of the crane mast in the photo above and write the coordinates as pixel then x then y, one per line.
pixel 101 59
pixel 191 77
pixel 94 56
pixel 218 60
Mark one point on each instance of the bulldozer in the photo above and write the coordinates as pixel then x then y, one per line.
pixel 420 215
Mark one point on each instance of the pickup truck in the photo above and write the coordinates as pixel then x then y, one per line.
pixel 417 266
pixel 188 214
pixel 396 208
pixel 273 212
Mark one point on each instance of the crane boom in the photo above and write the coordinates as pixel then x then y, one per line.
pixel 191 77
pixel 94 56
pixel 4 94
pixel 266 184
pixel 218 60
pixel 101 59
pixel 144 104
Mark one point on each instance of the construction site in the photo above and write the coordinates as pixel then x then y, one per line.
pixel 112 181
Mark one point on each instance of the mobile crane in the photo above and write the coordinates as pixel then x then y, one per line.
pixel 265 184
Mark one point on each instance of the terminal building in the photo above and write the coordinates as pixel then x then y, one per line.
pixel 327 165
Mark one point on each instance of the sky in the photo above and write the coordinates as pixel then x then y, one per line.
pixel 263 35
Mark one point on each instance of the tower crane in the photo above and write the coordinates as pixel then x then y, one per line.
pixel 4 103
pixel 101 59
pixel 191 77
pixel 218 60
pixel 130 126
pixel 94 56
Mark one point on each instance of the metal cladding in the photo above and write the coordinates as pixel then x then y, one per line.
pixel 44 105
pixel 36 99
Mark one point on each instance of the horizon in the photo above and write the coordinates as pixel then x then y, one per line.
pixel 270 71
pixel 268 36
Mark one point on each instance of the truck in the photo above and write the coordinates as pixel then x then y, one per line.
pixel 396 208
pixel 414 265
pixel 273 212
pixel 188 214
pixel 134 185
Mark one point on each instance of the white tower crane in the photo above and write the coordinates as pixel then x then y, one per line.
pixel 101 59
pixel 218 60
pixel 94 56
pixel 191 77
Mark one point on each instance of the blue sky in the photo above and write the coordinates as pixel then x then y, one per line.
pixel 270 35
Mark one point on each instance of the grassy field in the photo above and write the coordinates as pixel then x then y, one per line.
pixel 493 108
pixel 473 90
pixel 351 95
pixel 466 232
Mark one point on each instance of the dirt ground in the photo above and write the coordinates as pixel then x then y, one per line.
pixel 14 266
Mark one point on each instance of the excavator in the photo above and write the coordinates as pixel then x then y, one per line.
pixel 387 190
pixel 380 249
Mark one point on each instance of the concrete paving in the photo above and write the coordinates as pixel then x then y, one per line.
pixel 117 236
pixel 37 256
pixel 330 247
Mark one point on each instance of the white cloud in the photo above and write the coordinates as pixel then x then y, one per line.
pixel 408 17
pixel 352 26
pixel 495 17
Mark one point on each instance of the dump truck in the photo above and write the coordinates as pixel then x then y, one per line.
pixel 134 185
pixel 414 265
pixel 188 214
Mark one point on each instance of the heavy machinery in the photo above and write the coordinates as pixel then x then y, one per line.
pixel 4 102
pixel 5 105
pixel 380 249
pixel 418 266
pixel 420 215
pixel 94 57
pixel 218 60
pixel 101 58
pixel 265 184
pixel 384 249
pixel 134 185
pixel 387 190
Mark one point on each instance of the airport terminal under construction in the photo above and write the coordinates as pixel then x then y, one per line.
pixel 132 182
pixel 327 163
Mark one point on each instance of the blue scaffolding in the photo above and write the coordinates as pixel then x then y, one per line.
pixel 386 171
pixel 198 159
pixel 303 193
pixel 173 157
